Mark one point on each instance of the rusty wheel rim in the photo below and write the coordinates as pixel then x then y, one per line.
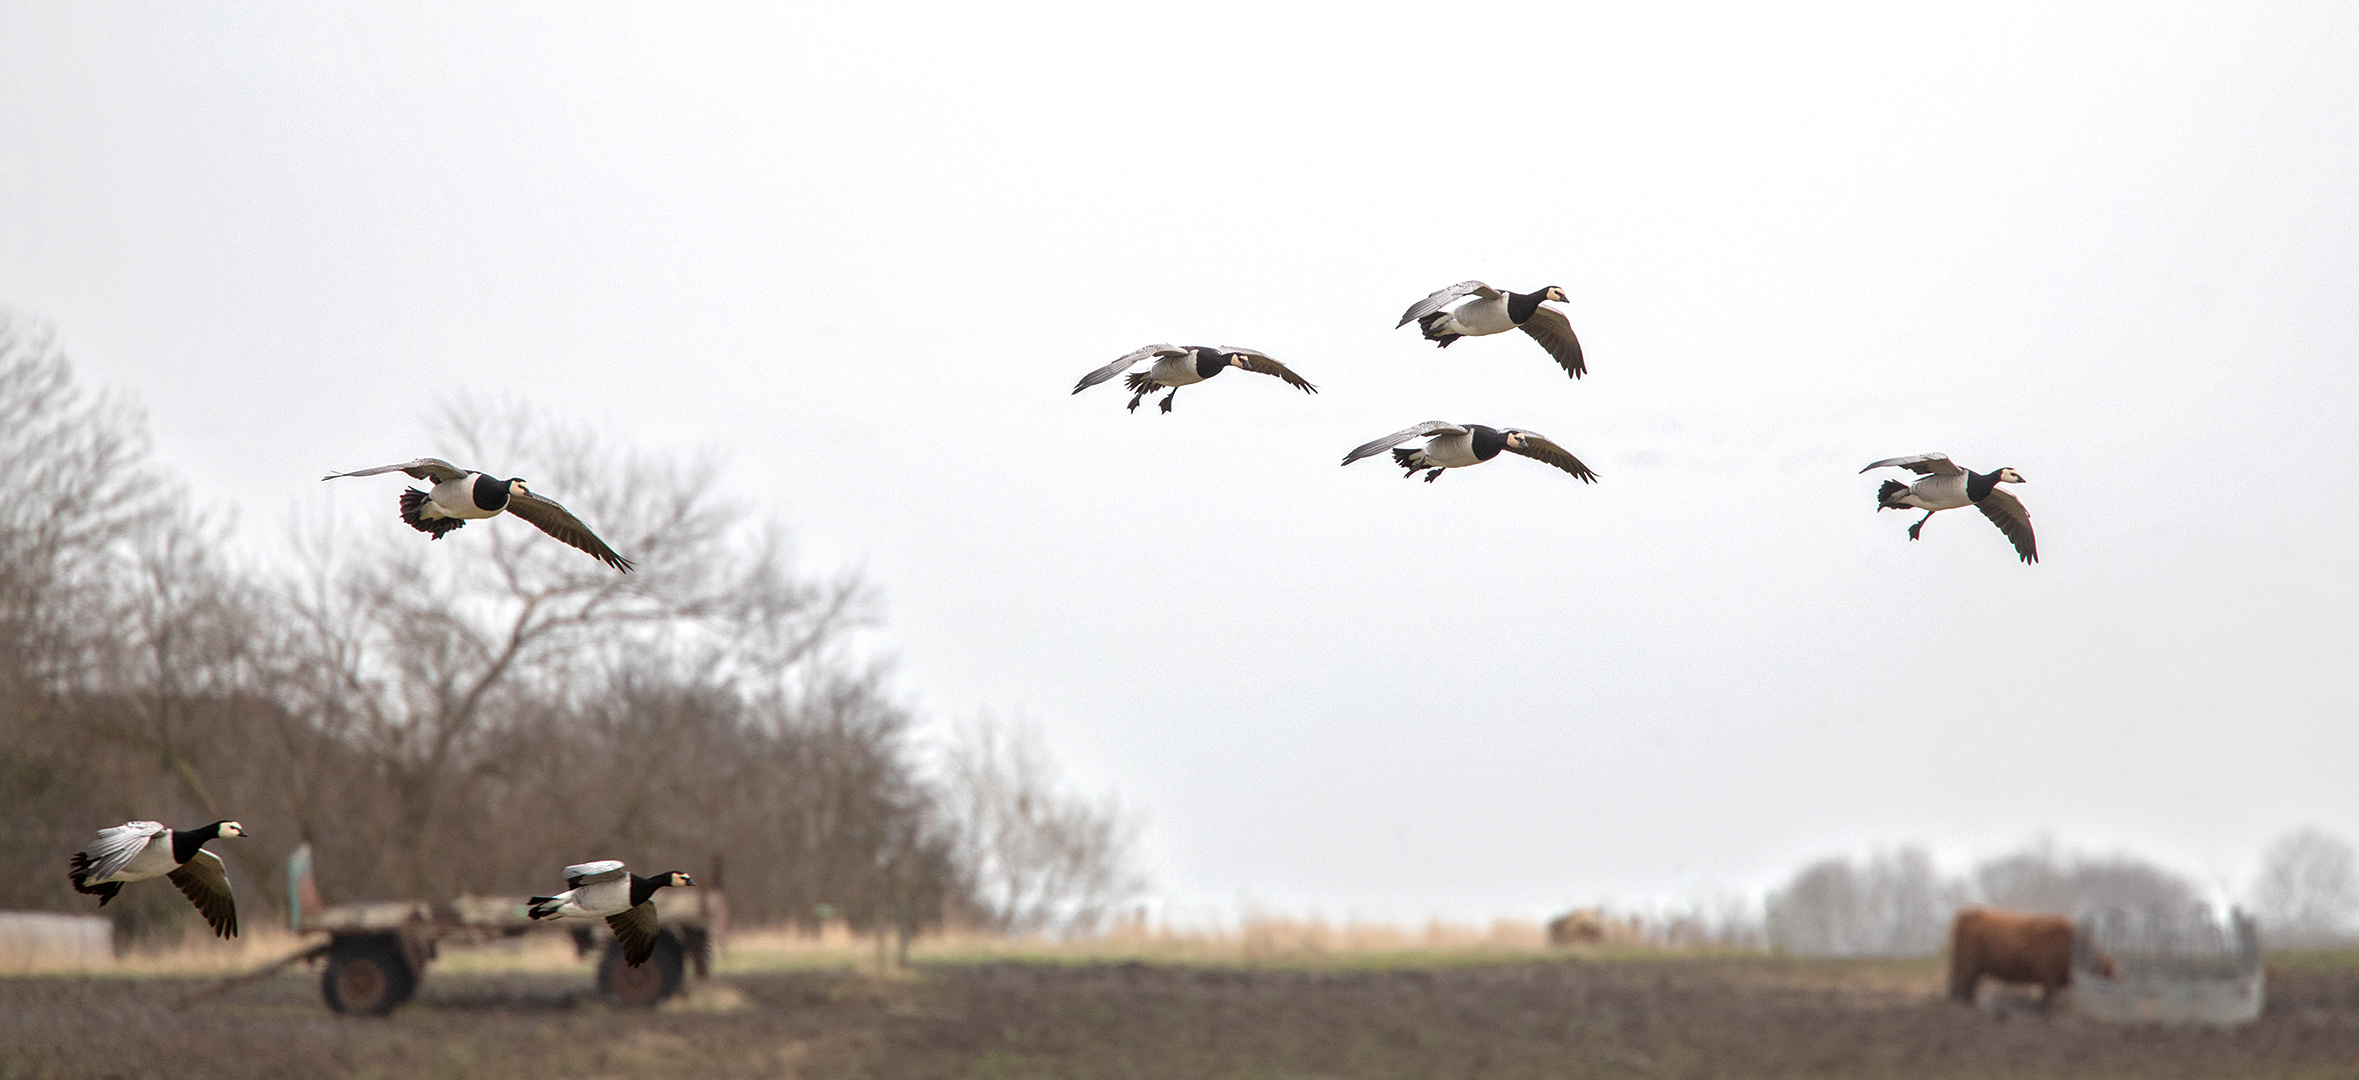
pixel 360 985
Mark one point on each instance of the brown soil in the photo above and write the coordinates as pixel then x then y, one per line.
pixel 1673 1018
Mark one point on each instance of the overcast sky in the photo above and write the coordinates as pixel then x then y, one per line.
pixel 864 252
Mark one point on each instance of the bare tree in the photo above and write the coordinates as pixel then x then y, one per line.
pixel 1037 858
pixel 2308 891
pixel 423 667
pixel 1894 904
pixel 466 715
pixel 76 494
pixel 2043 879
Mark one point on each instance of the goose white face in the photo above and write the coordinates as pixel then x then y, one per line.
pixel 231 828
pixel 1557 295
pixel 1515 439
pixel 515 488
pixel 681 881
pixel 2010 476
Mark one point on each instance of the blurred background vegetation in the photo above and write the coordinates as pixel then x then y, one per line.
pixel 440 723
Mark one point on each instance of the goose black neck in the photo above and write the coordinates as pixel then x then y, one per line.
pixel 1521 305
pixel 1978 484
pixel 186 842
pixel 491 494
pixel 1209 363
pixel 643 888
pixel 1488 441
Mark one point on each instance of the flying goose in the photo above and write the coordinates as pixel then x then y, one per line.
pixel 460 496
pixel 139 850
pixel 1946 487
pixel 1496 312
pixel 1181 365
pixel 1458 445
pixel 605 890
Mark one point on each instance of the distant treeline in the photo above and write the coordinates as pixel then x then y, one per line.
pixel 437 722
pixel 1899 904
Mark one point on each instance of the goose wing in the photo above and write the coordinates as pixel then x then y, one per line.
pixel 1430 427
pixel 1554 332
pixel 2007 512
pixel 206 884
pixel 1262 363
pixel 1444 298
pixel 116 848
pixel 635 927
pixel 591 873
pixel 559 522
pixel 1542 448
pixel 425 468
pixel 1921 464
pixel 1124 364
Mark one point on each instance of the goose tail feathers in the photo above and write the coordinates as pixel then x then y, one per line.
pixel 79 870
pixel 541 907
pixel 1887 496
pixel 413 513
pixel 1431 327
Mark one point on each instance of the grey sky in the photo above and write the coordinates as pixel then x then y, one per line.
pixel 865 256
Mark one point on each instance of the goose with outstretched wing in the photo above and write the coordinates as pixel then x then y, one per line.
pixel 139 850
pixel 1495 311
pixel 1175 366
pixel 1948 486
pixel 608 890
pixel 461 495
pixel 1455 446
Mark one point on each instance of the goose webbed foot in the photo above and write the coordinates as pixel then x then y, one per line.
pixel 1167 400
pixel 1134 402
pixel 1433 476
pixel 1912 530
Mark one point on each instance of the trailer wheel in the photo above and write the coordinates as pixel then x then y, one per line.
pixel 641 987
pixel 368 975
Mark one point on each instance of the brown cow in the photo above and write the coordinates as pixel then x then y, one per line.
pixel 2034 949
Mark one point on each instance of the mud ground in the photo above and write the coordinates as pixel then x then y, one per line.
pixel 1648 1018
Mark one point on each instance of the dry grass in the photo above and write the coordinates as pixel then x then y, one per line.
pixel 1260 941
pixel 1254 942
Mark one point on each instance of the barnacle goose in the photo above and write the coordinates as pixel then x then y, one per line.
pixel 139 850
pixel 1455 446
pixel 460 496
pixel 1493 311
pixel 1176 366
pixel 1946 486
pixel 605 890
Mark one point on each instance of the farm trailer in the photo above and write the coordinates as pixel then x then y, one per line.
pixel 377 952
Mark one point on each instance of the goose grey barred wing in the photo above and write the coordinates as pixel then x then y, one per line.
pixel 1554 332
pixel 635 927
pixel 116 848
pixel 2007 512
pixel 558 522
pixel 1378 446
pixel 591 873
pixel 1263 363
pixel 206 884
pixel 1921 464
pixel 425 468
pixel 1124 364
pixel 1541 448
pixel 1444 298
